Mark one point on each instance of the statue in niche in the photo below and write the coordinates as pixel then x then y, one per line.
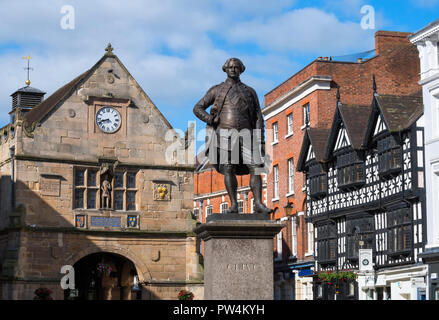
pixel 106 178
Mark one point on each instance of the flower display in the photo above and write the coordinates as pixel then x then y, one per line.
pixel 331 276
pixel 104 268
pixel 43 294
pixel 185 295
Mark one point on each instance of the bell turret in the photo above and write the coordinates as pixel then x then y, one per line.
pixel 24 99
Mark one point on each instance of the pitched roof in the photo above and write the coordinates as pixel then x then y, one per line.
pixel 46 106
pixel 355 118
pixel 400 112
pixel 318 138
pixel 40 111
pixel 29 89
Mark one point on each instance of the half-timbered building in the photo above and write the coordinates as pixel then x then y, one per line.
pixel 365 198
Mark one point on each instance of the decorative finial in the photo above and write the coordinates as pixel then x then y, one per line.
pixel 338 95
pixel 27 68
pixel 374 84
pixel 109 49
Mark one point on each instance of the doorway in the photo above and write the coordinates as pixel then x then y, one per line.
pixel 104 276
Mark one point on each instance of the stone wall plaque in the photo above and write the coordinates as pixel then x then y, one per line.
pixel 162 191
pixel 50 186
pixel 108 222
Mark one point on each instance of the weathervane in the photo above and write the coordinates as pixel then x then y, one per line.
pixel 28 69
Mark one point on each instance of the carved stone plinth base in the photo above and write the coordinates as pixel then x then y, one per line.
pixel 238 256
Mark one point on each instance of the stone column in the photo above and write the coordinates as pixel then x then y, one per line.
pixel 238 256
pixel 126 293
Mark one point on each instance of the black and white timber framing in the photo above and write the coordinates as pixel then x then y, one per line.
pixel 365 189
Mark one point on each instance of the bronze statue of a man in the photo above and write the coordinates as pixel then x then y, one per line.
pixel 236 144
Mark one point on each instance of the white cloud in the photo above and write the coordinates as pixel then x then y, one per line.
pixel 167 44
pixel 304 30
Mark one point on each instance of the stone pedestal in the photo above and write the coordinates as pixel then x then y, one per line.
pixel 238 256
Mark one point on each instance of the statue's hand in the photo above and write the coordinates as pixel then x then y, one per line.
pixel 211 120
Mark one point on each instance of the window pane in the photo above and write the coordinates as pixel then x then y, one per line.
pixel 118 180
pixel 290 175
pixel 241 206
pixel 79 198
pixel 196 213
pixel 131 180
pixel 131 200
pixel 91 178
pixel 118 200
pixel 91 199
pixel 275 138
pixel 290 123
pixel 79 177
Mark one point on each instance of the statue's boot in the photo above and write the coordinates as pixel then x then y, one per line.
pixel 256 186
pixel 233 209
pixel 261 208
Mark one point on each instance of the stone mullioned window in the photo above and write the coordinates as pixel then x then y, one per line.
pixel 88 191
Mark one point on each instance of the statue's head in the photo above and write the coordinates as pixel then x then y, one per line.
pixel 233 67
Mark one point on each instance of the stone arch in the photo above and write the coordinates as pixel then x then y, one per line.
pixel 276 212
pixel 141 268
pixel 303 206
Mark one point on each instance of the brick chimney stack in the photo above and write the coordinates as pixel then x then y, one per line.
pixel 386 41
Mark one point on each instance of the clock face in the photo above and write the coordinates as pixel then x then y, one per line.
pixel 365 262
pixel 108 119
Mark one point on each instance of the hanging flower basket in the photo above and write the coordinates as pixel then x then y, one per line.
pixel 331 276
pixel 104 268
pixel 43 294
pixel 185 295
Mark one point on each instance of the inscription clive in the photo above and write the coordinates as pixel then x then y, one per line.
pixel 241 266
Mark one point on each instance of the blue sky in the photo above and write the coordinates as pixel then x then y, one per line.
pixel 175 49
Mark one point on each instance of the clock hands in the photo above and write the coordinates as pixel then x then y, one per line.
pixel 106 120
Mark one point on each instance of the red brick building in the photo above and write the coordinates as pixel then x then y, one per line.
pixel 308 98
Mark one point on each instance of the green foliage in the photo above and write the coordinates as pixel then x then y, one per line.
pixel 332 276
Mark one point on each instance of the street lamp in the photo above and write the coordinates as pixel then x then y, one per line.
pixel 289 208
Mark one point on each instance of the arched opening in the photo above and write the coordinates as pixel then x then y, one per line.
pixel 104 276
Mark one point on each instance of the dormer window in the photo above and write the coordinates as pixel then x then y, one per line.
pixel 350 170
pixel 317 181
pixel 389 156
